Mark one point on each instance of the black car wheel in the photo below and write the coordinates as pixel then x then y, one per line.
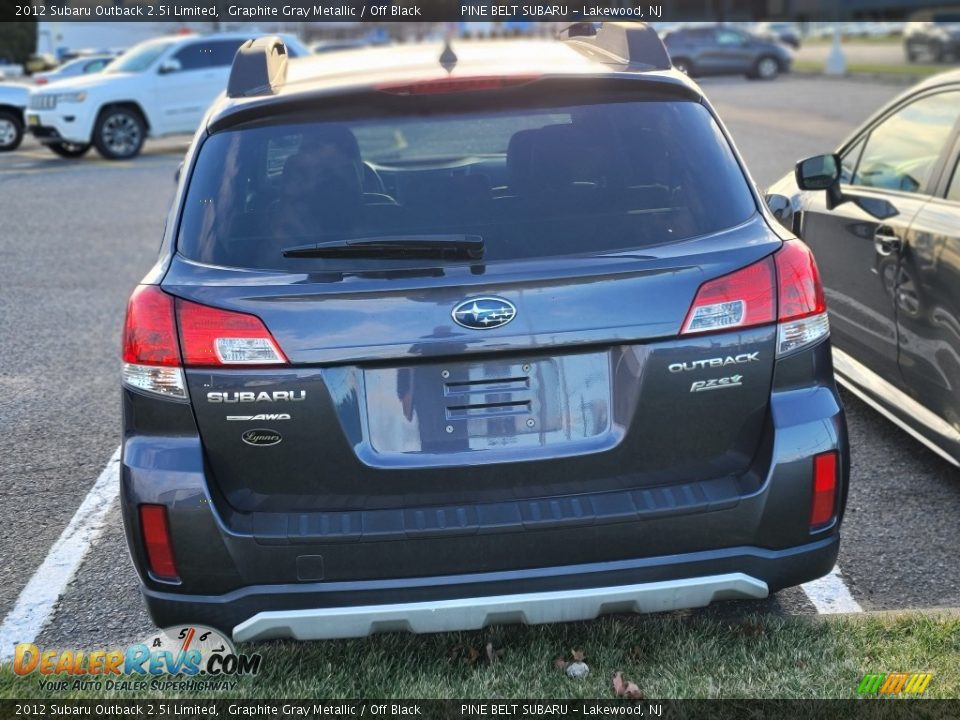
pixel 11 131
pixel 69 150
pixel 119 133
pixel 766 68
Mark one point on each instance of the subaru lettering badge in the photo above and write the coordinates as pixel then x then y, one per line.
pixel 484 313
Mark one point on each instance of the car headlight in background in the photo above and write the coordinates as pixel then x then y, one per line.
pixel 74 97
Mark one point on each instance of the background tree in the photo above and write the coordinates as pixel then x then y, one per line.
pixel 18 40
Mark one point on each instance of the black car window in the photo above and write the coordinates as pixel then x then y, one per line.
pixel 902 151
pixel 194 56
pixel 532 183
pixel 222 52
pixel 729 37
pixel 848 160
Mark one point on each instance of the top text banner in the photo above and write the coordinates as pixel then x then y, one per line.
pixel 219 11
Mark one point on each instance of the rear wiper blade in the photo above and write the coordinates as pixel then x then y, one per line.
pixel 442 246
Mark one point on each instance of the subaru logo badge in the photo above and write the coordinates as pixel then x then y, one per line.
pixel 484 313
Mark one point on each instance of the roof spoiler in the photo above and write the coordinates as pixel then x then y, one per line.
pixel 632 43
pixel 259 68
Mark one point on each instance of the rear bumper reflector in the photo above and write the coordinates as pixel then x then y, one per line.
pixel 478 612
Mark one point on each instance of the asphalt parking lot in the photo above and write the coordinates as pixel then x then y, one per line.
pixel 76 236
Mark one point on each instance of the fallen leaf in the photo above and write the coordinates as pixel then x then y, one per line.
pixel 492 654
pixel 625 688
pixel 559 663
pixel 577 655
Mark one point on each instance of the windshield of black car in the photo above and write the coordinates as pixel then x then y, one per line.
pixel 532 183
pixel 139 57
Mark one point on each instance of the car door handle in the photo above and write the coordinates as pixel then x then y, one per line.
pixel 886 241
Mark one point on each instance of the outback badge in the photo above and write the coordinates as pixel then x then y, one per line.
pixel 484 313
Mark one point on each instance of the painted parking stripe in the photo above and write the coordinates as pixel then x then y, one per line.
pixel 38 598
pixel 830 594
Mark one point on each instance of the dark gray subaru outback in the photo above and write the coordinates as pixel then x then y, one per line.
pixel 486 334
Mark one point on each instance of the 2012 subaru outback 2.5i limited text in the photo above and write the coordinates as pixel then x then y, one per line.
pixel 506 338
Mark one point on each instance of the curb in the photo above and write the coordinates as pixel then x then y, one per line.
pixel 903 80
pixel 937 613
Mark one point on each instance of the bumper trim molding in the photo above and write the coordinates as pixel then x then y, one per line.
pixel 478 612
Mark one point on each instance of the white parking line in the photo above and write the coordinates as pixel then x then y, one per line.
pixel 830 595
pixel 37 600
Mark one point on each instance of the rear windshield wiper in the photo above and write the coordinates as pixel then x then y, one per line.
pixel 433 246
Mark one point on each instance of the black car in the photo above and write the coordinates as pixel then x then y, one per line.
pixel 699 50
pixel 786 32
pixel 937 39
pixel 494 333
pixel 882 216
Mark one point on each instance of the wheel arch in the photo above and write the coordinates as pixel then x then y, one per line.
pixel 129 105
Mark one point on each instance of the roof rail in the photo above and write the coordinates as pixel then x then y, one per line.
pixel 259 68
pixel 630 43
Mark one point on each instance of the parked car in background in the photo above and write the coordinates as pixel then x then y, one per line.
pixel 882 216
pixel 13 101
pixel 325 46
pixel 700 50
pixel 785 32
pixel 937 39
pixel 73 68
pixel 427 351
pixel 40 62
pixel 159 87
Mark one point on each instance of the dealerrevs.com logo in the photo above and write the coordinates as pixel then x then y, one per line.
pixel 207 659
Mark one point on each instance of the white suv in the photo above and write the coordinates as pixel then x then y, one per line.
pixel 159 87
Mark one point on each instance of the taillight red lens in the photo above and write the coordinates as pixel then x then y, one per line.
pixel 156 541
pixel 455 85
pixel 211 337
pixel 149 333
pixel 741 299
pixel 823 508
pixel 800 290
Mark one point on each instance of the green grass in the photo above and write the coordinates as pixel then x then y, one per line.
pixel 901 69
pixel 668 656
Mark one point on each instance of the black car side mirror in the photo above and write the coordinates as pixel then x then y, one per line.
pixel 782 209
pixel 822 172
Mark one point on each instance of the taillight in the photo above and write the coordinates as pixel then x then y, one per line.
pixel 744 298
pixel 213 337
pixel 824 506
pixel 783 288
pixel 444 85
pixel 151 354
pixel 156 541
pixel 803 307
pixel 209 337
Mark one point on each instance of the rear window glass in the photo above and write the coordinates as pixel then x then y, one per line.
pixel 531 183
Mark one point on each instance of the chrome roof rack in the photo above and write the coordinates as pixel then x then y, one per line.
pixel 630 43
pixel 259 68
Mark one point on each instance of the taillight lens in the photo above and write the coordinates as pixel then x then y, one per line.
pixel 783 288
pixel 824 506
pixel 213 337
pixel 151 354
pixel 741 299
pixel 157 542
pixel 444 85
pixel 803 306
pixel 209 337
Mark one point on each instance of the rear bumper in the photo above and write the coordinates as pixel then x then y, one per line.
pixel 463 602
